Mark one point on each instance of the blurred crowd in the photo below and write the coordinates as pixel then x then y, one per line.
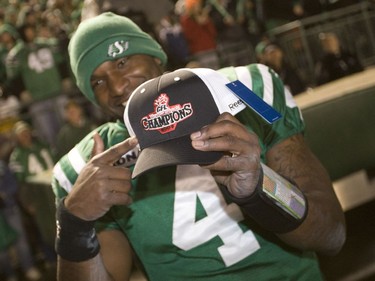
pixel 43 115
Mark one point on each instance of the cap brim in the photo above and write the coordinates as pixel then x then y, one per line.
pixel 173 152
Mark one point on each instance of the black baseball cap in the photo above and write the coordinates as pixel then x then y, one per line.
pixel 164 111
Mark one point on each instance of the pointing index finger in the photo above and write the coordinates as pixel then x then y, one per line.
pixel 115 152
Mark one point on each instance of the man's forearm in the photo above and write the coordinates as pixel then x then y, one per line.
pixel 323 229
pixel 90 270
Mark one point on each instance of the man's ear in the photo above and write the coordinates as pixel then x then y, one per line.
pixel 158 61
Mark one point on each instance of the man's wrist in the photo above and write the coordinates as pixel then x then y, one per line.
pixel 276 204
pixel 244 200
pixel 75 238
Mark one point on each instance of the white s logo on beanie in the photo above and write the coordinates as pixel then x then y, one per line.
pixel 117 48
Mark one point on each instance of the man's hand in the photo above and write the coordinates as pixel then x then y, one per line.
pixel 101 185
pixel 239 170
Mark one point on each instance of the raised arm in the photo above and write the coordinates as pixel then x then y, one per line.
pixel 323 227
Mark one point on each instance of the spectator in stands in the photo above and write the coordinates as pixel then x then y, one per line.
pixel 11 13
pixel 59 19
pixel 62 15
pixel 9 205
pixel 37 64
pixel 336 62
pixel 173 40
pixel 234 45
pixel 279 12
pixel 28 15
pixel 273 56
pixel 8 39
pixel 32 162
pixel 200 33
pixel 247 16
pixel 76 127
pixel 259 49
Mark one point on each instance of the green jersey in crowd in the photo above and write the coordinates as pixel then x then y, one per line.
pixel 30 161
pixel 38 66
pixel 182 227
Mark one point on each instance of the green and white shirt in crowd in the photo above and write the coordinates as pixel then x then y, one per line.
pixel 181 227
pixel 38 65
pixel 30 161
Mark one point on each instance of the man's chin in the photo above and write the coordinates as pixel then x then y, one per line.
pixel 116 115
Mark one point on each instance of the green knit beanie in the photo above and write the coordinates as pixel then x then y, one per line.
pixel 10 29
pixel 103 38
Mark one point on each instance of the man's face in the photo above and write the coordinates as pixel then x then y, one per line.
pixel 24 138
pixel 273 57
pixel 331 44
pixel 73 114
pixel 114 81
pixel 6 38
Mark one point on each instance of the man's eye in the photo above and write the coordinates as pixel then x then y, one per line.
pixel 121 62
pixel 96 83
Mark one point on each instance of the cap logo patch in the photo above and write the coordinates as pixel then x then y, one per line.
pixel 117 48
pixel 166 117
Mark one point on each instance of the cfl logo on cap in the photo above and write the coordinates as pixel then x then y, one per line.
pixel 165 117
pixel 117 48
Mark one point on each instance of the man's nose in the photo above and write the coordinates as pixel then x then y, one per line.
pixel 118 84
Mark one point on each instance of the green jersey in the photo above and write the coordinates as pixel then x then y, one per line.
pixel 37 64
pixel 181 226
pixel 27 163
pixel 30 161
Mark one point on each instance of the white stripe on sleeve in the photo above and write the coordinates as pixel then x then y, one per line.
pixel 244 76
pixel 268 84
pixel 76 160
pixel 61 178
